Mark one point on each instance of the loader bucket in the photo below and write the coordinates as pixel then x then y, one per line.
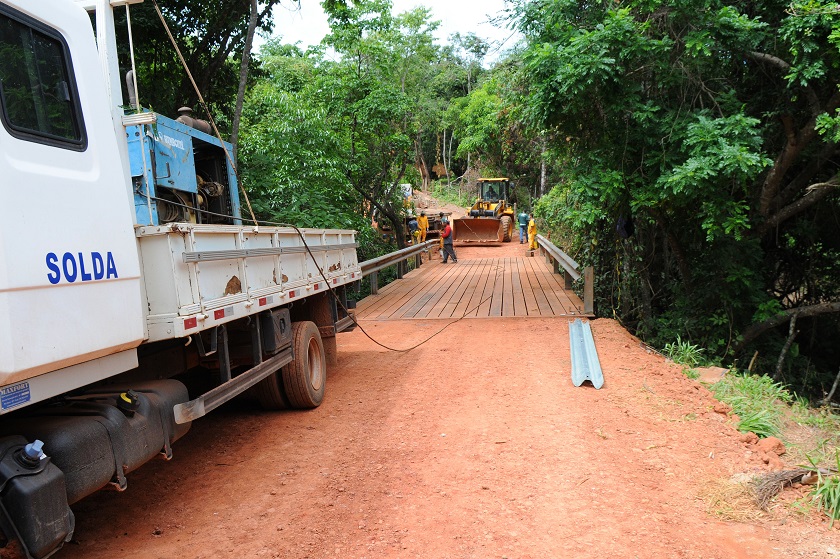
pixel 477 230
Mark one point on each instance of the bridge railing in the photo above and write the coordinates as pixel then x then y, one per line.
pixel 373 266
pixel 565 264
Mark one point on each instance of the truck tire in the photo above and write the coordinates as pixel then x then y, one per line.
pixel 507 228
pixel 305 378
pixel 269 393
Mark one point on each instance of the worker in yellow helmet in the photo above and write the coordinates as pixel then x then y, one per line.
pixel 532 233
pixel 423 223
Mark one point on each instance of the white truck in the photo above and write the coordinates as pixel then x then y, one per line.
pixel 133 299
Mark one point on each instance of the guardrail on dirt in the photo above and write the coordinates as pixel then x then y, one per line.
pixel 561 260
pixel 374 265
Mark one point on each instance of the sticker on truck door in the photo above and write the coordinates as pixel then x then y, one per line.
pixel 15 395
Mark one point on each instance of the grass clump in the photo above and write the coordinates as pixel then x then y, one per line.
pixel 760 403
pixel 826 492
pixel 684 353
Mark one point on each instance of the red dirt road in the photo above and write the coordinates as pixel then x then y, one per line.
pixel 474 445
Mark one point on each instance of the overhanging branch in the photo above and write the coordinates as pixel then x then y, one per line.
pixel 813 194
pixel 754 331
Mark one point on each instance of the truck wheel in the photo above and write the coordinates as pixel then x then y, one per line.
pixel 305 378
pixel 507 228
pixel 269 393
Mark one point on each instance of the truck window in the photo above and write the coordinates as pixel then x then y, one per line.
pixel 37 95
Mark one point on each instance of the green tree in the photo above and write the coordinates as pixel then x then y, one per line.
pixel 714 125
pixel 372 96
pixel 211 36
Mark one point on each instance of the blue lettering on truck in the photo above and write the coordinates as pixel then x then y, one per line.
pixel 72 267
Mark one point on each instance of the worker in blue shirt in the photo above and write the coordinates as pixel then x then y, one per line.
pixel 523 227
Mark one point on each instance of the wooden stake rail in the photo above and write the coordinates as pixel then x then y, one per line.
pixel 480 288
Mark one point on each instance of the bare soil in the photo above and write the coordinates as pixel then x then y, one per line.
pixel 474 445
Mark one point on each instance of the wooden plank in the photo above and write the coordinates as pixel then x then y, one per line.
pixel 570 303
pixel 435 306
pixel 445 306
pixel 531 307
pixel 371 303
pixel 464 303
pixel 392 300
pixel 498 288
pixel 405 289
pixel 486 293
pixel 518 299
pixel 507 290
pixel 423 289
pixel 558 296
pixel 542 302
pixel 472 293
pixel 548 285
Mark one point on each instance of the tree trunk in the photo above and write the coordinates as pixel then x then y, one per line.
pixel 542 168
pixel 676 250
pixel 449 178
pixel 422 167
pixel 445 166
pixel 792 332
pixel 827 399
pixel 243 76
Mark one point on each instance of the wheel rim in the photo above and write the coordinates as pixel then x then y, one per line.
pixel 316 377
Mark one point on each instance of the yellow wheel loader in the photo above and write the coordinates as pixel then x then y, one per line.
pixel 490 219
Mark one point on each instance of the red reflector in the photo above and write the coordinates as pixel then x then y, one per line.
pixel 263 301
pixel 335 280
pixel 219 314
pixel 292 293
pixel 317 285
pixel 190 323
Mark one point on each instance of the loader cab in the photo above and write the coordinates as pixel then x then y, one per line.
pixel 493 190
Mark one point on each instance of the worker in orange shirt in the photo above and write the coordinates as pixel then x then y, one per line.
pixel 423 224
pixel 532 233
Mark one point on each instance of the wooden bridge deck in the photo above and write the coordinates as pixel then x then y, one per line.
pixel 482 287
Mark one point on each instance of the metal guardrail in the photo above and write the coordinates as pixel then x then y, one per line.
pixel 563 261
pixel 585 363
pixel 374 265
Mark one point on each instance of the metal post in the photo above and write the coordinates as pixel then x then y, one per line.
pixel 589 290
pixel 256 340
pixel 374 283
pixel 567 280
pixel 224 354
pixel 418 260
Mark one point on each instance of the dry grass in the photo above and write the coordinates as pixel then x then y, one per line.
pixel 731 500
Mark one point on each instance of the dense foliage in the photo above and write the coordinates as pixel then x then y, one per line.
pixel 700 165
pixel 211 37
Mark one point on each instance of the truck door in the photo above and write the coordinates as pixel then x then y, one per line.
pixel 70 296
